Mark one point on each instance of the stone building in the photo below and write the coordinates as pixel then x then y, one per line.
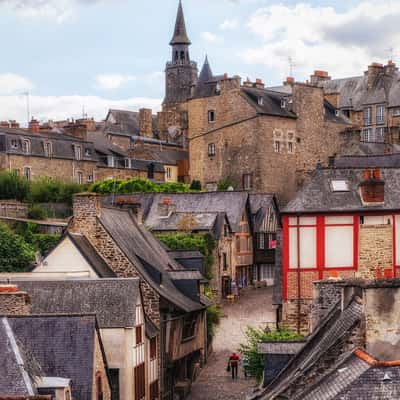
pixel 371 101
pixel 344 223
pixel 353 351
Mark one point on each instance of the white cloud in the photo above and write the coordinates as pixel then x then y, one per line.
pixel 229 24
pixel 211 37
pixel 14 84
pixel 113 81
pixel 63 107
pixel 319 37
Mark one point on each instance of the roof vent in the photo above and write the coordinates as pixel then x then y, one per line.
pixel 372 187
pixel 386 377
pixel 339 185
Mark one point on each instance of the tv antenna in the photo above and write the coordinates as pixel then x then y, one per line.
pixel 28 106
pixel 291 65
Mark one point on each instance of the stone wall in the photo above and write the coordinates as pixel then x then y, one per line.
pixel 13 302
pixel 375 250
pixel 14 209
pixel 99 370
pixel 124 173
pixel 291 313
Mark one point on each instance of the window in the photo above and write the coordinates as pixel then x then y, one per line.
pixel 48 149
pixel 211 149
pixel 272 241
pixel 396 112
pixel 27 173
pixel 260 101
pixel 303 242
pixel 154 390
pixel 238 244
pixel 225 261
pixel 127 163
pixel 189 327
pixel 79 177
pixel 290 147
pixel 139 335
pixel 226 230
pixel 26 146
pixel 14 144
pixel 337 113
pixel 339 186
pixel 260 241
pixel 283 103
pixel 277 146
pixel 88 152
pixel 367 135
pixel 367 116
pixel 78 152
pixel 153 348
pixel 114 383
pixel 150 171
pixel 211 116
pixel 380 134
pixel 380 113
pixel 247 181
pixel 90 178
pixel 140 382
pixel 168 172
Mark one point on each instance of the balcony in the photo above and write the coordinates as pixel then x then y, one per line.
pixel 244 259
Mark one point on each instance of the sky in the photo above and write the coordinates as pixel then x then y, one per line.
pixel 86 56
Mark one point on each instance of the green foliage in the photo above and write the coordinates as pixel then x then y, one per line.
pixel 225 184
pixel 213 318
pixel 195 185
pixel 192 241
pixel 13 186
pixel 254 360
pixel 15 253
pixel 37 212
pixel 49 190
pixel 136 185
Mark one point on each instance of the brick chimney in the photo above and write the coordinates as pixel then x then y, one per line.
pixel 390 68
pixel 259 84
pixel 146 122
pixel 34 126
pixel 289 81
pixel 373 71
pixel 372 187
pixel 228 84
pixel 166 207
pixel 77 130
pixel 86 208
pixel 13 301
pixel 248 83
pixel 131 203
pixel 319 76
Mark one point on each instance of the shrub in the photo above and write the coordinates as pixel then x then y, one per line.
pixel 195 185
pixel 37 212
pixel 254 360
pixel 213 318
pixel 15 253
pixel 226 183
pixel 44 242
pixel 13 186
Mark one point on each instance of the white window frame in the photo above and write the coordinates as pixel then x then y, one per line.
pixel 211 116
pixel 78 152
pixel 48 149
pixel 290 148
pixel 27 171
pixel 367 116
pixel 277 146
pixel 79 177
pixel 380 137
pixel 211 150
pixel 26 146
pixel 367 135
pixel 247 181
pixel 380 113
pixel 260 101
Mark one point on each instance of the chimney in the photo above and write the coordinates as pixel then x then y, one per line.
pixel 86 209
pixel 34 126
pixel 373 71
pixel 166 207
pixel 228 84
pixel 248 83
pixel 131 203
pixel 76 130
pixel 390 68
pixel 289 81
pixel 146 122
pixel 259 84
pixel 14 124
pixel 372 187
pixel 319 76
pixel 13 301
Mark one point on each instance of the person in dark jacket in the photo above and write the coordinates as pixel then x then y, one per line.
pixel 234 364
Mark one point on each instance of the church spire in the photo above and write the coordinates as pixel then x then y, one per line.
pixel 180 34
pixel 206 73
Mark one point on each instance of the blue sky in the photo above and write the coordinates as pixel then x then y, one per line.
pixel 111 53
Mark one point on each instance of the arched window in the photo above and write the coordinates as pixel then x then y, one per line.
pixel 176 55
pixel 182 55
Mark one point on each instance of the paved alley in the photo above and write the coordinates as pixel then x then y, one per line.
pixel 214 383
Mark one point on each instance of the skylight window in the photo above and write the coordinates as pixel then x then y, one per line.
pixel 339 186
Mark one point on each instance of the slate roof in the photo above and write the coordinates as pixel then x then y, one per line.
pixel 62 345
pixel 169 155
pixel 146 253
pixel 260 204
pixel 205 73
pixel 317 195
pixel 62 144
pixel 184 254
pixel 180 34
pixel 334 328
pixel 233 204
pixel 112 300
pixel 91 255
pixel 185 274
pixel 369 161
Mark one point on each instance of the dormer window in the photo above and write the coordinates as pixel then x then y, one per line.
pixel 337 113
pixel 283 103
pixel 78 152
pixel 260 101
pixel 26 146
pixel 338 185
pixel 88 152
pixel 218 88
pixel 14 144
pixel 48 149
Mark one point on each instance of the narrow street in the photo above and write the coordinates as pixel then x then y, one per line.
pixel 214 383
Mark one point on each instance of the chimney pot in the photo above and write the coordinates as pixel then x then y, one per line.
pixel 34 126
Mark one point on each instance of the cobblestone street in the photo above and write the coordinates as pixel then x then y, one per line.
pixel 214 383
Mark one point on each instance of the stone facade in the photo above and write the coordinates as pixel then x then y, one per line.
pixel 122 173
pixel 14 302
pixel 100 373
pixel 14 209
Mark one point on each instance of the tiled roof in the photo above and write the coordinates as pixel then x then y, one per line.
pixel 146 253
pixel 317 195
pixel 125 122
pixel 112 300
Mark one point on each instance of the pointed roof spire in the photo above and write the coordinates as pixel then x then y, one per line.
pixel 206 73
pixel 180 35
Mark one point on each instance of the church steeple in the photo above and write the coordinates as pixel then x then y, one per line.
pixel 180 34
pixel 206 73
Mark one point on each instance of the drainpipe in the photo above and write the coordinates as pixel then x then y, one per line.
pixel 298 275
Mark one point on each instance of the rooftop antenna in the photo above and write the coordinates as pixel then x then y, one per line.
pixel 291 65
pixel 28 106
pixel 390 51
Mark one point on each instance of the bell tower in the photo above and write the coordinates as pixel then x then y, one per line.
pixel 181 72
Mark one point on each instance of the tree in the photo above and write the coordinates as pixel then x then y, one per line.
pixel 13 186
pixel 254 360
pixel 15 253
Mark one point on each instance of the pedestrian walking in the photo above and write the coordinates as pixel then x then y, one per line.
pixel 233 364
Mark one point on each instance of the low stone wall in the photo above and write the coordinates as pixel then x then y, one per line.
pixel 14 303
pixel 13 209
